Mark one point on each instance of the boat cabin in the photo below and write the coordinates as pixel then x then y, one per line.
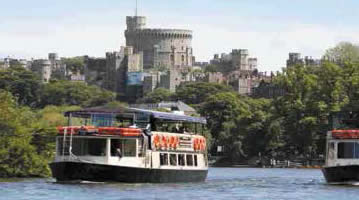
pixel 129 137
pixel 343 139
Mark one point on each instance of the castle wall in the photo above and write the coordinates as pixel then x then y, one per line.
pixel 42 68
pixel 160 47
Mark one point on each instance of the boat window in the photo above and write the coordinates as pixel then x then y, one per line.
pixel 189 159
pixel 163 159
pixel 173 159
pixel 116 147
pixel 195 161
pixel 331 150
pixel 129 147
pixel 181 160
pixel 83 146
pixel 123 147
pixel 348 150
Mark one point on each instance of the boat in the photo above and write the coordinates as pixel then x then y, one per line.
pixel 342 149
pixel 130 145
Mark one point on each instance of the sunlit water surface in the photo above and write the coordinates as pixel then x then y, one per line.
pixel 222 183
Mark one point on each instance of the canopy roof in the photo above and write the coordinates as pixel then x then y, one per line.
pixel 131 112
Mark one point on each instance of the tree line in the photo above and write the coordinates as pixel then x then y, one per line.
pixel 289 126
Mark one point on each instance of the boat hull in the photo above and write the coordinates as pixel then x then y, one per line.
pixel 341 174
pixel 74 171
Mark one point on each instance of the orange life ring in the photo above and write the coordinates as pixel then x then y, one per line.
pixel 172 142
pixel 156 141
pixel 203 146
pixel 177 141
pixel 195 144
pixel 164 141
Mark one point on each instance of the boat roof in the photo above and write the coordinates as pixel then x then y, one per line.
pixel 130 112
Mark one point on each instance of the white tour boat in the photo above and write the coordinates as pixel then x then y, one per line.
pixel 130 145
pixel 342 149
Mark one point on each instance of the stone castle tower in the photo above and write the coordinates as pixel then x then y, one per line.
pixel 160 47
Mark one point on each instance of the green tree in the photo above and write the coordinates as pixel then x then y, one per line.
pixel 156 96
pixel 211 68
pixel 75 64
pixel 23 84
pixel 197 93
pixel 73 93
pixel 300 108
pixel 223 111
pixel 343 52
pixel 18 158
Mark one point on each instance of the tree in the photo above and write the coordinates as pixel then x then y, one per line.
pixel 343 52
pixel 18 158
pixel 211 68
pixel 156 96
pixel 197 93
pixel 23 84
pixel 300 108
pixel 73 93
pixel 75 64
pixel 223 111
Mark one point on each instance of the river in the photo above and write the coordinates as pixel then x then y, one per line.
pixel 222 183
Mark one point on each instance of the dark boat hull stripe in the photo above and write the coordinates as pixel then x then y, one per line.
pixel 340 174
pixel 70 171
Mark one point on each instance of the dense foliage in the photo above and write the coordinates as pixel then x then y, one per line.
pixel 26 137
pixel 75 64
pixel 72 93
pixel 291 126
pixel 23 84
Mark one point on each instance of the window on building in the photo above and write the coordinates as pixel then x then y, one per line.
pixel 181 160
pixel 173 159
pixel 182 58
pixel 195 161
pixel 163 159
pixel 172 58
pixel 189 159
pixel 348 150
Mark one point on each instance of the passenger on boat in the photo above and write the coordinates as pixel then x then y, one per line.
pixel 118 151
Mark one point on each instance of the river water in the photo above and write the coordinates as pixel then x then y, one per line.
pixel 222 183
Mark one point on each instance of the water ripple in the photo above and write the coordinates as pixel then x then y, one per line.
pixel 222 183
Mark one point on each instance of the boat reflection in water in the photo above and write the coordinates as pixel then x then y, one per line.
pixel 130 145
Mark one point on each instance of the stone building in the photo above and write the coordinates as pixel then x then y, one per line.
pixel 95 71
pixel 8 62
pixel 53 67
pixel 160 47
pixel 238 70
pixel 296 59
pixel 116 71
pixel 42 67
pixel 268 90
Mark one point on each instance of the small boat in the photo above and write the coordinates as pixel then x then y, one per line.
pixel 130 145
pixel 342 149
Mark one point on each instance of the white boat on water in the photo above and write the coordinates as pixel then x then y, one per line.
pixel 342 149
pixel 130 145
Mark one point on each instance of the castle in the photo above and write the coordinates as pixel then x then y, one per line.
pixel 152 58
pixel 160 47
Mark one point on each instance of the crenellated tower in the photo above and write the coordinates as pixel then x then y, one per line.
pixel 160 47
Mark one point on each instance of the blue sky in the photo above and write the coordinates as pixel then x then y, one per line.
pixel 268 29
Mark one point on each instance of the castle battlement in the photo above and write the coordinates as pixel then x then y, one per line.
pixel 162 33
pixel 160 47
